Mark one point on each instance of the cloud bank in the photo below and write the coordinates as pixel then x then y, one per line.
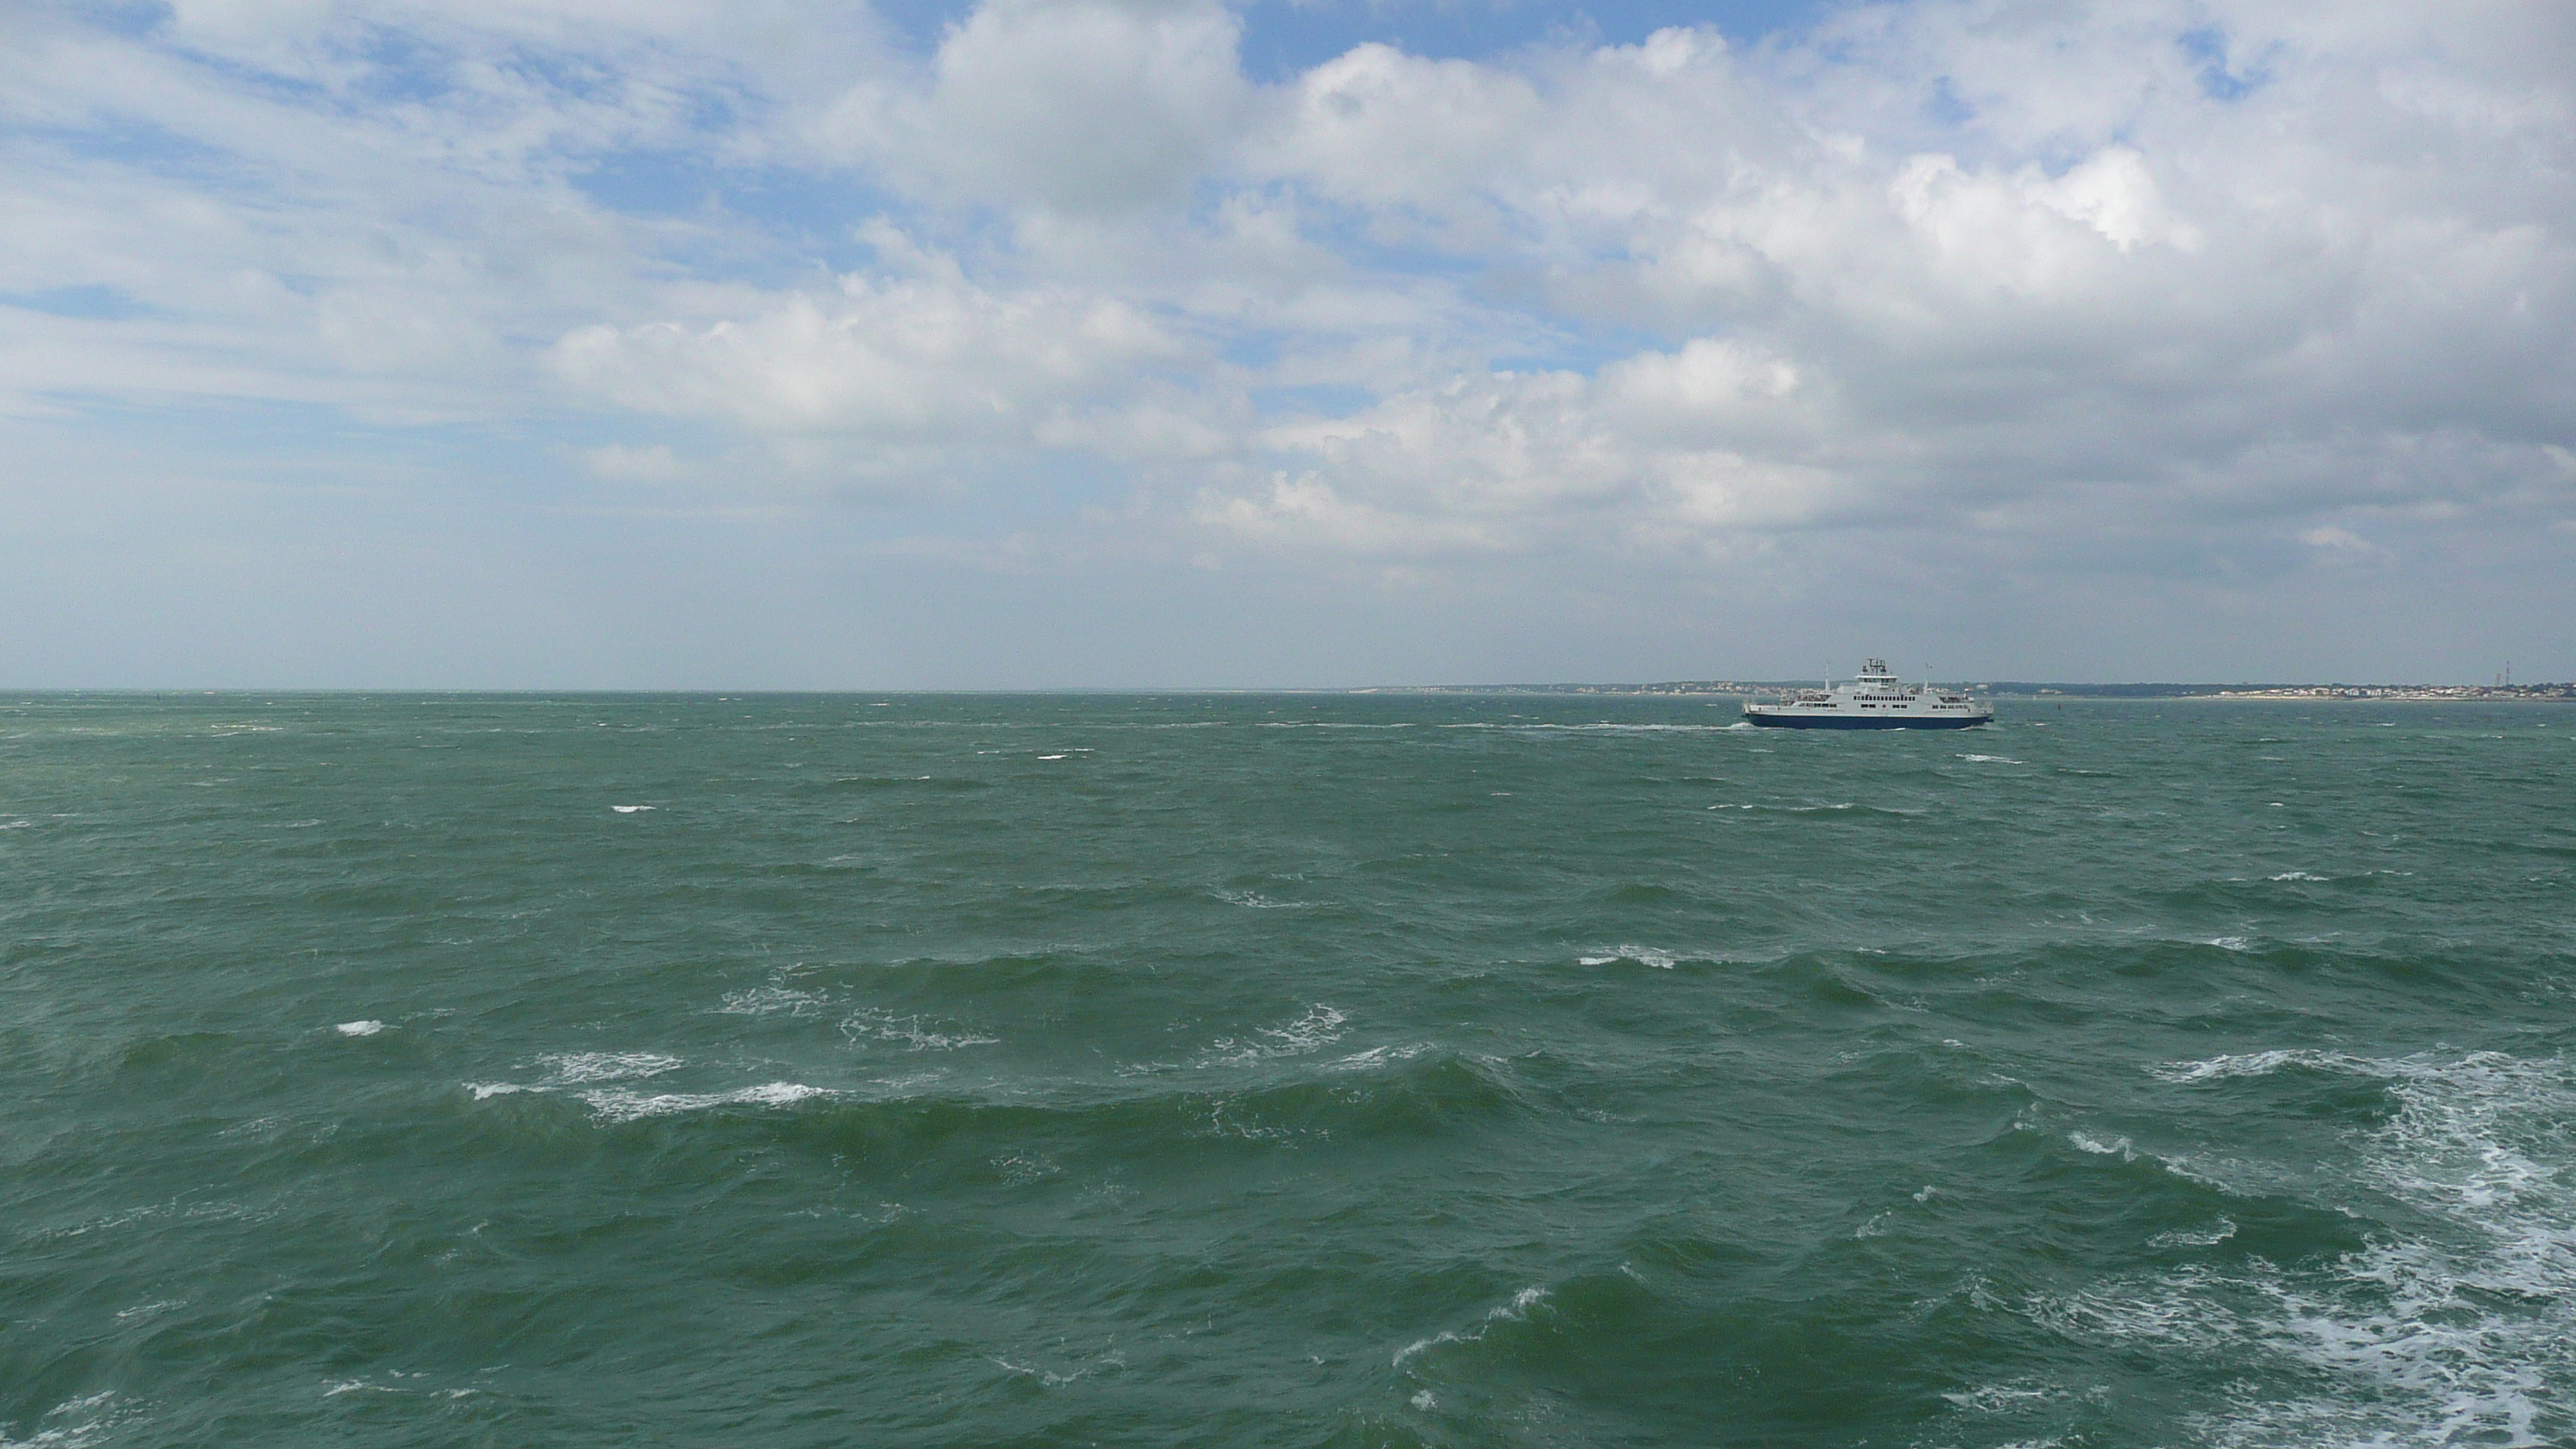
pixel 1999 325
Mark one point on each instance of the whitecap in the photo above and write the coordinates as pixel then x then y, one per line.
pixel 1512 1312
pixel 577 1068
pixel 618 1104
pixel 1377 1056
pixel 2447 1335
pixel 2203 1238
pixel 1991 759
pixel 2117 1147
pixel 1254 900
pixel 1051 1378
pixel 871 1023
pixel 1995 1398
pixel 2294 875
pixel 1318 1028
pixel 2256 1064
pixel 1642 955
pixel 86 1418
pixel 629 809
pixel 359 1028
pixel 770 1000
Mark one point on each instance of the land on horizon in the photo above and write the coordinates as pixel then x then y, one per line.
pixel 2030 689
pixel 1684 688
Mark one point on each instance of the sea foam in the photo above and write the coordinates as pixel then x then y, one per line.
pixel 618 1104
pixel 1512 1312
pixel 2452 1334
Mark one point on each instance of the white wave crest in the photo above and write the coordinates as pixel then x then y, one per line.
pixel 359 1028
pixel 2202 1238
pixel 2259 1064
pixel 1254 900
pixel 1377 1056
pixel 873 1024
pixel 1642 955
pixel 1997 1398
pixel 2118 1147
pixel 617 1104
pixel 770 1000
pixel 1318 1028
pixel 1511 1312
pixel 2461 1330
pixel 576 1068
pixel 75 1423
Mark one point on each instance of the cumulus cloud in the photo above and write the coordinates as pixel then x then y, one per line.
pixel 2132 267
pixel 1082 105
pixel 924 358
pixel 2111 278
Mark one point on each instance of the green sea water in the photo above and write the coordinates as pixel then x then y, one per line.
pixel 1281 1070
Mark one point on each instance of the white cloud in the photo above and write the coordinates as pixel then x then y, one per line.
pixel 1083 105
pixel 926 358
pixel 2135 281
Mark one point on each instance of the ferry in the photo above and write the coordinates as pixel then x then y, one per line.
pixel 1875 701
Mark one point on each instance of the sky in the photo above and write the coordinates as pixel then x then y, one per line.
pixel 779 344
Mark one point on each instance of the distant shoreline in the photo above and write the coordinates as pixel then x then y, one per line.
pixel 1709 689
pixel 2013 689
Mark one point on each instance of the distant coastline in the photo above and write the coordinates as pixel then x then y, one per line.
pixel 2023 689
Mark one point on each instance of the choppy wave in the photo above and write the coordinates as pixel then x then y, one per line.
pixel 576 1068
pixel 915 1032
pixel 1254 900
pixel 1642 955
pixel 568 1070
pixel 2455 1332
pixel 772 1001
pixel 1839 808
pixel 1514 1311
pixel 97 1418
pixel 1319 1027
pixel 618 1104
pixel 2105 1107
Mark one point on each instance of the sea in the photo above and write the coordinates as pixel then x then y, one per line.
pixel 1282 1070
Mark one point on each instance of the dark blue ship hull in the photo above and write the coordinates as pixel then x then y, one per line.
pixel 1862 722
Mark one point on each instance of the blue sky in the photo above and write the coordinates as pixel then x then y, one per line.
pixel 1033 343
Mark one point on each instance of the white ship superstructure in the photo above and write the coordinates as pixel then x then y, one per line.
pixel 1877 700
